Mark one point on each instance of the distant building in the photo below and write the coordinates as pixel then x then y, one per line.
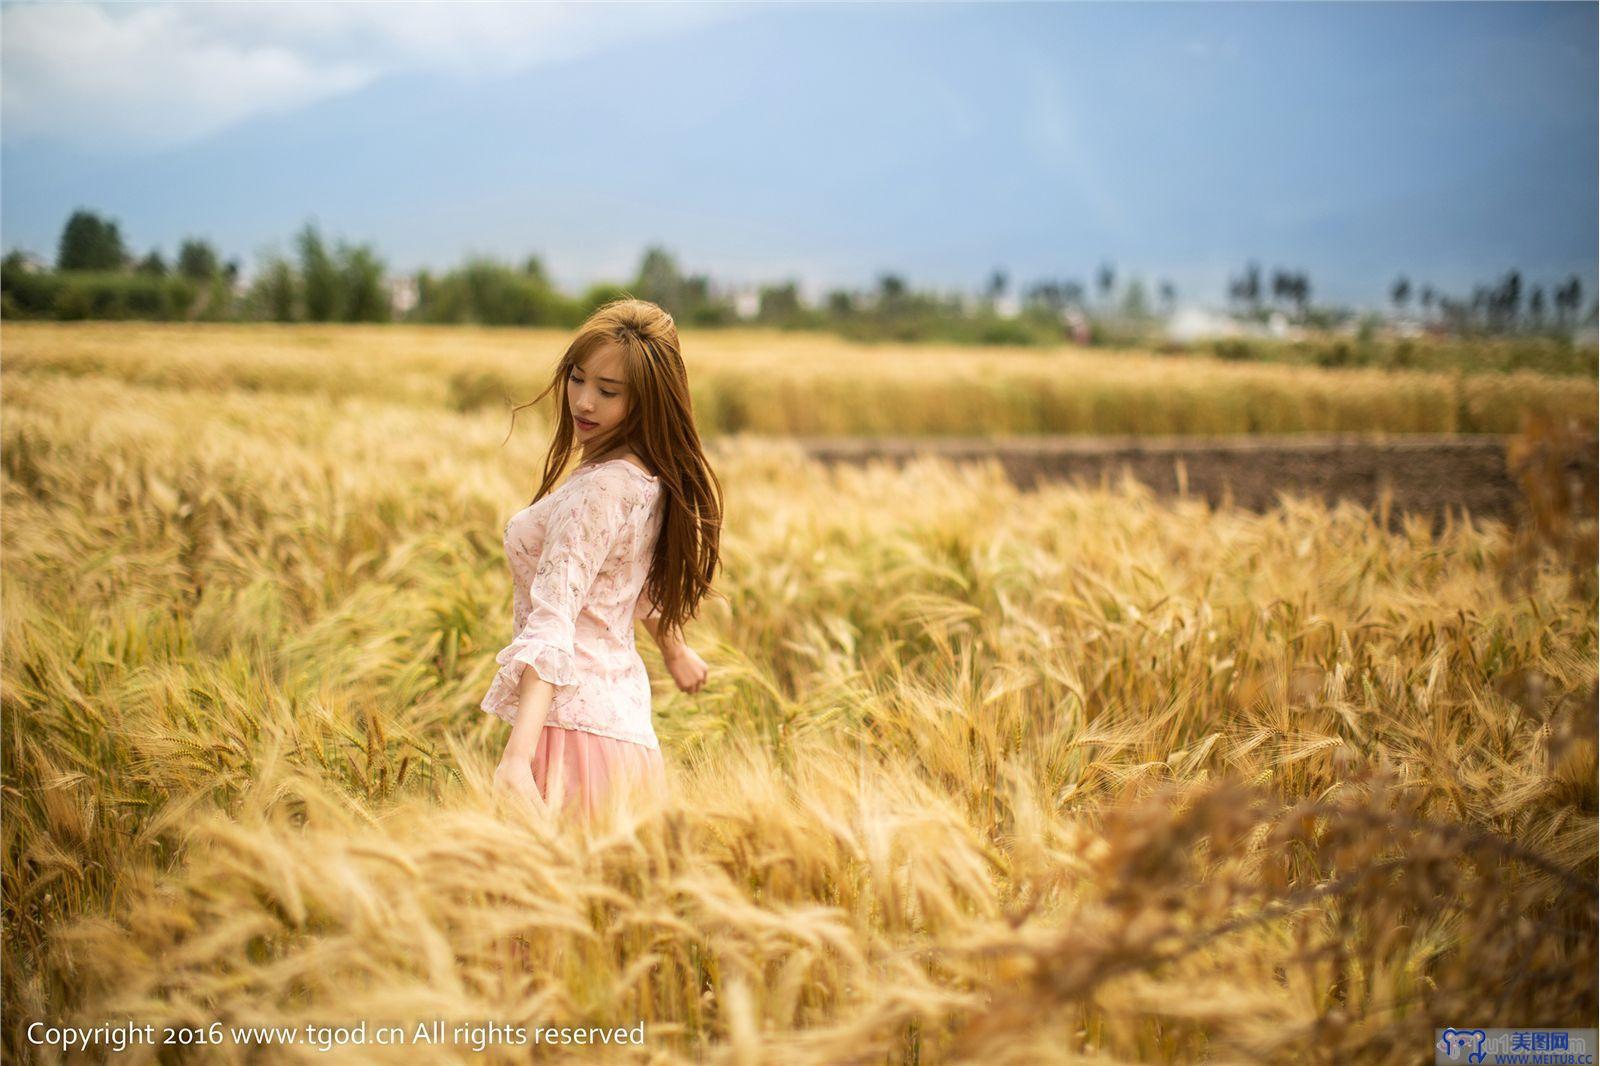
pixel 1076 324
pixel 402 294
pixel 747 301
pixel 1196 323
pixel 1008 305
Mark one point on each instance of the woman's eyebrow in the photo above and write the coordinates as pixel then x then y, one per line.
pixel 612 381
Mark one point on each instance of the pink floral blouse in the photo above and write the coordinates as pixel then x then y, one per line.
pixel 579 558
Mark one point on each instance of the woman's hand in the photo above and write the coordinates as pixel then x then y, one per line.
pixel 686 668
pixel 515 777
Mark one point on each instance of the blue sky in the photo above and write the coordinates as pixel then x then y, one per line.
pixel 830 142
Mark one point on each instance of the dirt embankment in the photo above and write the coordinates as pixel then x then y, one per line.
pixel 1430 475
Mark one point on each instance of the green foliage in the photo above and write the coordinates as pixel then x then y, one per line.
pixel 1135 305
pixel 89 242
pixel 319 277
pixel 27 293
pixel 364 297
pixel 94 295
pixel 348 283
pixel 997 330
pixel 275 293
pixel 344 285
pixel 686 297
pixel 596 296
pixel 1232 349
pixel 780 304
pixel 197 260
pixel 490 293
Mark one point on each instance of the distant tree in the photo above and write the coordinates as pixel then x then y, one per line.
pixel 1134 304
pixel 274 290
pixel 1400 293
pixel 1290 286
pixel 89 242
pixel 697 289
pixel 1169 295
pixel 361 284
pixel 891 289
pixel 1480 303
pixel 1568 299
pixel 1246 289
pixel 319 277
pixel 997 286
pixel 1536 306
pixel 153 264
pixel 841 303
pixel 197 260
pixel 1049 296
pixel 1107 280
pixel 533 267
pixel 779 303
pixel 1506 300
pixel 660 281
pixel 1282 285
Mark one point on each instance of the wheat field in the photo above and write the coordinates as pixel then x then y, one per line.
pixel 775 383
pixel 978 775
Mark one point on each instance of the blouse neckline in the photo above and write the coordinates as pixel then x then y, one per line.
pixel 630 466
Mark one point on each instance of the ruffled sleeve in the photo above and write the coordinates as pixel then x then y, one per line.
pixel 578 539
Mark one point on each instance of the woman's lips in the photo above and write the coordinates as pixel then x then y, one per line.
pixel 583 424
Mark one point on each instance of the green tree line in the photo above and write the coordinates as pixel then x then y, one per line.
pixel 95 275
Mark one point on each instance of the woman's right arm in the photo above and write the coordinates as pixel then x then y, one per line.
pixel 686 667
pixel 669 645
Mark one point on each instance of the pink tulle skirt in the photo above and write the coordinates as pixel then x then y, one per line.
pixel 580 772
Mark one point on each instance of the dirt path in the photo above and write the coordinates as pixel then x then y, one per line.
pixel 1432 475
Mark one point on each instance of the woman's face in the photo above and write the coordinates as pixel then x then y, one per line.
pixel 597 394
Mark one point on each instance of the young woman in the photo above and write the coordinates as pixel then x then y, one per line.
pixel 633 534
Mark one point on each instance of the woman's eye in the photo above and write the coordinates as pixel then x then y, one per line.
pixel 579 381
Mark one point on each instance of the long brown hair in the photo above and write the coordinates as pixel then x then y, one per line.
pixel 660 429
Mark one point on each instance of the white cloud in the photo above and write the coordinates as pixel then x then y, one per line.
pixel 151 76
